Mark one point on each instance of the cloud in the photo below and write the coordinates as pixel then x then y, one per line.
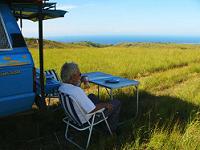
pixel 67 7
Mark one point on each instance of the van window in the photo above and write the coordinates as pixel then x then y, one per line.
pixel 4 40
pixel 17 40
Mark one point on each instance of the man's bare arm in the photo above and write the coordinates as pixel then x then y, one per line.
pixel 102 105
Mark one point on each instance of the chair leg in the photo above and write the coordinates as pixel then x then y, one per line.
pixel 108 126
pixel 89 136
pixel 66 131
pixel 90 132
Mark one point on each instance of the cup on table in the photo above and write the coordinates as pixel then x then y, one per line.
pixel 85 81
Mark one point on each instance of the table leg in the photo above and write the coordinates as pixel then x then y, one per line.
pixel 98 91
pixel 137 96
pixel 111 94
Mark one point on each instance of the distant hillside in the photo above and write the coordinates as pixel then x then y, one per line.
pixel 89 44
pixel 156 45
pixel 33 43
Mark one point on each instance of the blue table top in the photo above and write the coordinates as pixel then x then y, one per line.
pixel 108 81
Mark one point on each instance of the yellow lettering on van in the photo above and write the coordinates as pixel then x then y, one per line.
pixel 7 58
pixel 3 74
pixel 24 56
pixel 14 61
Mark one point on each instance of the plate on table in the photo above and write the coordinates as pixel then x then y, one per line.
pixel 112 81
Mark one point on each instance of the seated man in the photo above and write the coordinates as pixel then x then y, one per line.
pixel 71 78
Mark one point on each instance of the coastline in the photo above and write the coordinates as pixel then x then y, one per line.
pixel 116 39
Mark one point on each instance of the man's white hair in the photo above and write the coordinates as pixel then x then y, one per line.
pixel 68 70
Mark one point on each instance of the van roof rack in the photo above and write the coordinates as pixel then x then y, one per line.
pixel 29 9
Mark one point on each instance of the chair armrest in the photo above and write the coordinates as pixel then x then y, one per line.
pixel 98 111
pixel 65 119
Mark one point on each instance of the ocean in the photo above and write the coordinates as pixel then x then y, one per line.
pixel 108 39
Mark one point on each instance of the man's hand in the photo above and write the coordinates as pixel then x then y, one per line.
pixel 109 107
pixel 85 81
pixel 103 105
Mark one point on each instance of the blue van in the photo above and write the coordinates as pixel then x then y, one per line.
pixel 16 67
pixel 17 72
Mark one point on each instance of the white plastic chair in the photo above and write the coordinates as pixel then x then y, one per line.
pixel 72 119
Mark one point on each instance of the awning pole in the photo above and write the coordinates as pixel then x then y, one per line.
pixel 21 20
pixel 40 18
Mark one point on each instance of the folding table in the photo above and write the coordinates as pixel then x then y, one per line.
pixel 111 82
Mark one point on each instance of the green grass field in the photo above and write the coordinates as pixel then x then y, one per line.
pixel 169 76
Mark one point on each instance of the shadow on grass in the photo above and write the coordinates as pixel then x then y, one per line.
pixel 45 130
pixel 160 112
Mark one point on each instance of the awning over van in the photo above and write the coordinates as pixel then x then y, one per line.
pixel 29 9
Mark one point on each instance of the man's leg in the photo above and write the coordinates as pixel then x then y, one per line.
pixel 94 98
pixel 113 116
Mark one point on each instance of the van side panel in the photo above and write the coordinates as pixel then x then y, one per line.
pixel 13 104
pixel 16 69
pixel 16 80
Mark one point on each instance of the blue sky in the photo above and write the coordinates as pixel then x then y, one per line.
pixel 122 17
